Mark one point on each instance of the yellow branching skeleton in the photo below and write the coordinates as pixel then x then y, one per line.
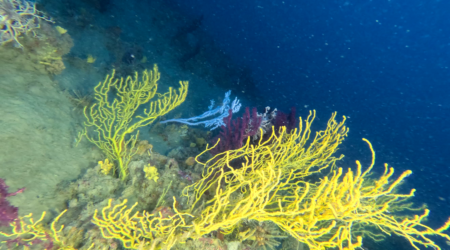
pixel 110 124
pixel 273 184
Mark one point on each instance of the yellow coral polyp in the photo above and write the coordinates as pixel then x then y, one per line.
pixel 151 173
pixel 105 166
pixel 113 119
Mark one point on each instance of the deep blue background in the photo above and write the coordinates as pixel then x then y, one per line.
pixel 385 64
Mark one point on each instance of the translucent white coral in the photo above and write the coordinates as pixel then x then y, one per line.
pixel 214 122
pixel 18 17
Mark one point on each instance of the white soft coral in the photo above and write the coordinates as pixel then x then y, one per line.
pixel 18 17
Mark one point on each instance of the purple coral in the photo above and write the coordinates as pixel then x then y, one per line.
pixel 253 122
pixel 235 132
pixel 8 213
pixel 286 120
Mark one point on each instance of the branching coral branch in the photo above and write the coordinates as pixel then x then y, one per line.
pixel 18 17
pixel 27 232
pixel 336 211
pixel 235 132
pixel 139 229
pixel 110 123
pixel 215 115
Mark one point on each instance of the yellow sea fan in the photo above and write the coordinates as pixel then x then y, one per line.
pixel 272 191
pixel 115 120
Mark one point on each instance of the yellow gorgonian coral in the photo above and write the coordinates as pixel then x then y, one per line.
pixel 151 173
pixel 272 183
pixel 137 230
pixel 333 212
pixel 112 123
pixel 26 231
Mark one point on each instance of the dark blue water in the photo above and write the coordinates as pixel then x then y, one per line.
pixel 384 64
